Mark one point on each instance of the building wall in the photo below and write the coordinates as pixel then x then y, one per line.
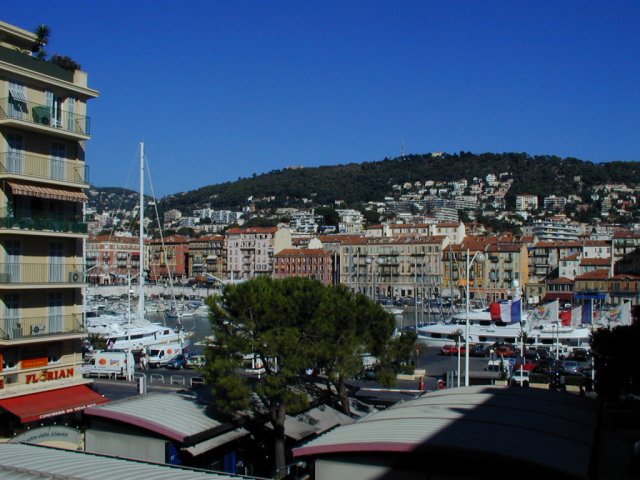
pixel 42 176
pixel 122 445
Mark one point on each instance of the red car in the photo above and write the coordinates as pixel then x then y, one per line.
pixel 505 351
pixel 452 349
pixel 528 366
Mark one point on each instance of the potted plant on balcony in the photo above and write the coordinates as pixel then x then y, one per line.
pixel 43 32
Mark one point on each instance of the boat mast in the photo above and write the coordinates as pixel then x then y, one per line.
pixel 141 268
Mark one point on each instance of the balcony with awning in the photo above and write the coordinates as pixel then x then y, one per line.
pixel 47 192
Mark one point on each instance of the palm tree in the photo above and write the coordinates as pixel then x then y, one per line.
pixel 43 32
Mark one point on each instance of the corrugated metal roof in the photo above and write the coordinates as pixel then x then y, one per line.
pixel 526 424
pixel 19 461
pixel 168 414
pixel 314 421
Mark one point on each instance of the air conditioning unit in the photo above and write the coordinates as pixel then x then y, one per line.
pixel 37 329
pixel 75 277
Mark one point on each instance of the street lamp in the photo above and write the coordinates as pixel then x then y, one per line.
pixel 518 296
pixel 480 256
pixel 369 287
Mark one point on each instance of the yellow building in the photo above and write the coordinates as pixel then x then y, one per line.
pixel 43 130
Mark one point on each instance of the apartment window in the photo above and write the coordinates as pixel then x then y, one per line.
pixel 58 153
pixel 12 315
pixel 15 159
pixel 17 100
pixel 54 104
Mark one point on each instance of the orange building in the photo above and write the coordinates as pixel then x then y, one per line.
pixel 317 264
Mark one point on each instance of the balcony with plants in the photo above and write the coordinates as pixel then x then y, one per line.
pixel 43 167
pixel 42 222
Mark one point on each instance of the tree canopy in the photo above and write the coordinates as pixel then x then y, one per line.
pixel 289 326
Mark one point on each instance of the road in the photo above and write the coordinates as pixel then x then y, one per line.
pixel 163 379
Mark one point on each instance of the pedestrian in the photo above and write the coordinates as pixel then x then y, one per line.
pixel 421 384
pixel 145 362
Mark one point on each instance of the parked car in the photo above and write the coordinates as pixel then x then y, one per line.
pixel 452 349
pixel 196 361
pixel 528 365
pixel 519 378
pixel 505 350
pixel 178 362
pixel 479 350
pixel 571 367
pixel 579 355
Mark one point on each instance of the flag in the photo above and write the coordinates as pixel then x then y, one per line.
pixel 576 316
pixel 505 312
pixel 565 318
pixel 587 312
pixel 516 311
pixel 545 313
pixel 620 314
pixel 496 311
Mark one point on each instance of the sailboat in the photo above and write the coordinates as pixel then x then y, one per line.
pixel 125 331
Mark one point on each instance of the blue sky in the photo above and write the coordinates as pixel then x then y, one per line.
pixel 221 90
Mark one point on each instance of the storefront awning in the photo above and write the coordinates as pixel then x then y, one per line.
pixel 37 406
pixel 53 193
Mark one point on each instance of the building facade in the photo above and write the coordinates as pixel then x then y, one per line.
pixel 313 263
pixel 207 257
pixel 43 131
pixel 250 250
pixel 112 259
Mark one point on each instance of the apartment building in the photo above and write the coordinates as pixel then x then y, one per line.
pixel 313 263
pixel 43 130
pixel 168 259
pixel 207 257
pixel 392 267
pixel 112 259
pixel 250 250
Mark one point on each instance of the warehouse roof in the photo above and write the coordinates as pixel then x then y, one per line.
pixel 526 425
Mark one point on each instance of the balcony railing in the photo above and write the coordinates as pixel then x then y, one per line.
pixel 44 115
pixel 42 222
pixel 15 328
pixel 44 167
pixel 40 273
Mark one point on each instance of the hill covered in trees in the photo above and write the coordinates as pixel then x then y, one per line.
pixel 372 181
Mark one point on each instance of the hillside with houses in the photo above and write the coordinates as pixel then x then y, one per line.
pixel 577 241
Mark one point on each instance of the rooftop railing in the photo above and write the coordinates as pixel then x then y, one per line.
pixel 35 64
pixel 13 108
pixel 44 167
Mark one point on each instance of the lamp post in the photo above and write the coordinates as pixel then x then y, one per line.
pixel 480 256
pixel 518 296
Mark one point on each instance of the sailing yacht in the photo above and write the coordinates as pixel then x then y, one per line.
pixel 129 331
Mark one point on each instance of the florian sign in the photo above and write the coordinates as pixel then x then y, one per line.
pixel 48 375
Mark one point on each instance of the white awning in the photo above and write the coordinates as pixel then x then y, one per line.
pixel 16 93
pixel 215 442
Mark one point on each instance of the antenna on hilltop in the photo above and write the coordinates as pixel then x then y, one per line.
pixel 402 149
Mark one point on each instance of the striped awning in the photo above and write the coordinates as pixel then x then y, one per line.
pixel 53 193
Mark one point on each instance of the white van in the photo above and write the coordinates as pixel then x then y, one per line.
pixel 118 363
pixel 160 354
